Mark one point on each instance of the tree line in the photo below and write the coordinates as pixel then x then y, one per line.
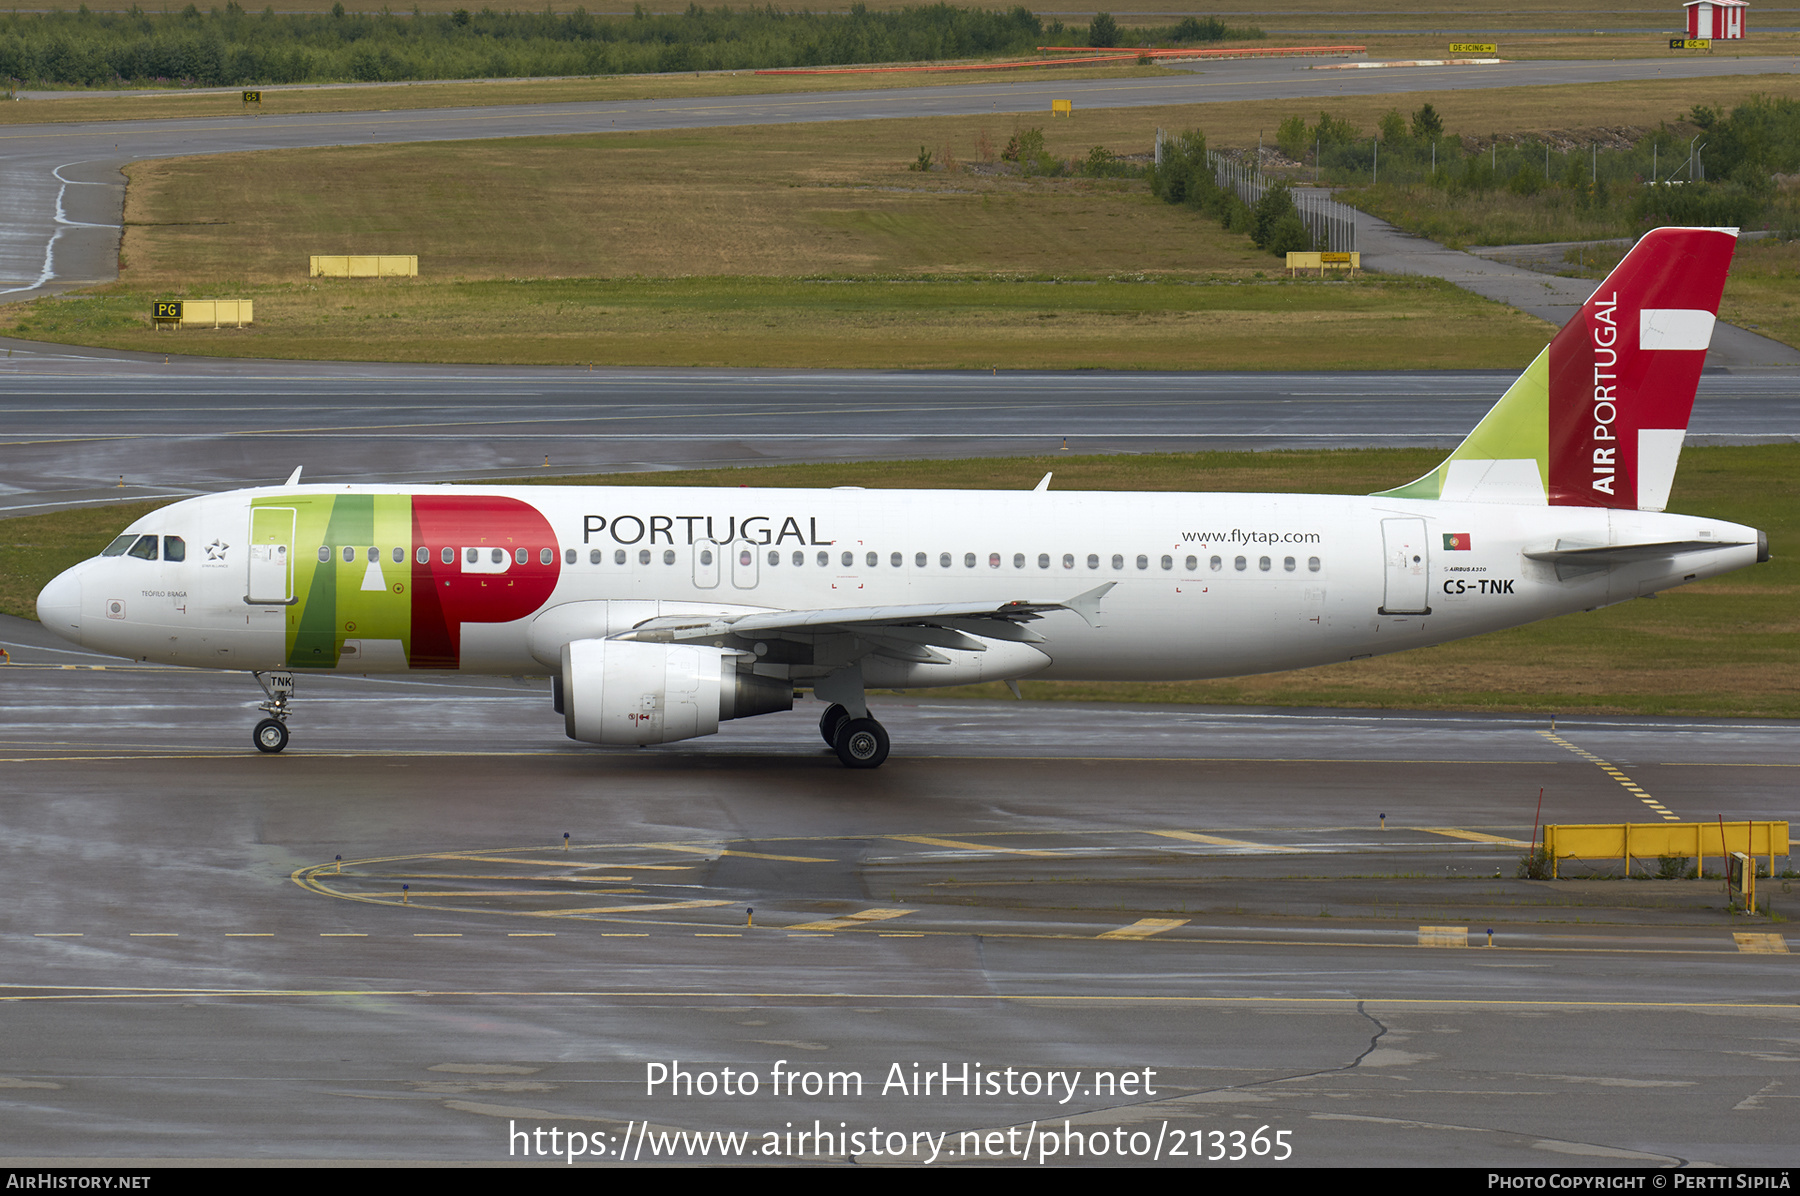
pixel 235 47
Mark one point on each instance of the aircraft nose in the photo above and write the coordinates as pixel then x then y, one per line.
pixel 59 606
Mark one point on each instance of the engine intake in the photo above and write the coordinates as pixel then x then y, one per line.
pixel 623 691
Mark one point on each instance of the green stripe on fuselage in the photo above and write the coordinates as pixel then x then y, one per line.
pixel 334 604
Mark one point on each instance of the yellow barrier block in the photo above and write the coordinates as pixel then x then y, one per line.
pixel 365 265
pixel 1646 840
pixel 1062 108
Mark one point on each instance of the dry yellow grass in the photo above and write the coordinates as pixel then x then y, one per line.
pixel 768 200
pixel 775 200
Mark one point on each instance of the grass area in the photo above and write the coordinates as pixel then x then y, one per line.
pixel 1730 646
pixel 971 323
pixel 1497 217
pixel 696 247
pixel 1763 293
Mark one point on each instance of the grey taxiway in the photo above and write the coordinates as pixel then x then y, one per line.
pixel 434 923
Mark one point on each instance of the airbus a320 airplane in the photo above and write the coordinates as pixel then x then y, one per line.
pixel 660 613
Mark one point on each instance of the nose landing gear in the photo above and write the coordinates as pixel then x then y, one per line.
pixel 271 734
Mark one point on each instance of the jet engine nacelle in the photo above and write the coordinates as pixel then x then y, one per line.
pixel 623 691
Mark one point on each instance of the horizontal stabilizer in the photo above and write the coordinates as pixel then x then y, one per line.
pixel 1622 554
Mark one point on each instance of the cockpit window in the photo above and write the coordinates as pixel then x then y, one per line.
pixel 118 547
pixel 174 548
pixel 144 549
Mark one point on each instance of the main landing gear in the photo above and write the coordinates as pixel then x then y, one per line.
pixel 858 742
pixel 271 735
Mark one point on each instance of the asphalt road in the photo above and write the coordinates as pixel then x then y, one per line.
pixel 84 428
pixel 1207 899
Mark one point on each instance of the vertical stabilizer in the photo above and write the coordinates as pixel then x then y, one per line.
pixel 1598 419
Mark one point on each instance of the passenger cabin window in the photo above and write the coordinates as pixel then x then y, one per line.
pixel 919 561
pixel 118 546
pixel 894 560
pixel 668 556
pixel 593 556
pixel 944 560
pixel 325 554
pixel 448 556
pixel 423 556
pixel 1218 563
pixel 568 556
pixel 350 555
pixel 547 556
pixel 144 549
pixel 1118 560
pixel 1240 564
pixel 643 556
pixel 174 548
pixel 850 559
pixel 824 559
pixel 374 555
pixel 1068 560
pixel 968 560
pixel 1312 564
pixel 521 557
pixel 498 556
pixel 1043 560
pixel 1018 560
pixel 1287 564
pixel 619 557
pixel 872 559
pixel 474 555
pixel 1262 562
pixel 1168 562
pixel 399 556
pixel 1093 560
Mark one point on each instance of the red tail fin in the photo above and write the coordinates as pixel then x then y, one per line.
pixel 1624 370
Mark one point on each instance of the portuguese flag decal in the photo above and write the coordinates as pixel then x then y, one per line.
pixel 1457 542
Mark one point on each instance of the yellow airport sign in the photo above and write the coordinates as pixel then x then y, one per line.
pixel 1474 48
pixel 194 313
pixel 1690 43
pixel 1062 108
pixel 1322 262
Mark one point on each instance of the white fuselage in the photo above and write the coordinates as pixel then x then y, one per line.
pixel 1207 585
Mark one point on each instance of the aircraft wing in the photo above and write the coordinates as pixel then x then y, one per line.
pixel 896 628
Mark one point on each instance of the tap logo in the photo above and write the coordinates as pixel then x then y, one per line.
pixel 216 550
